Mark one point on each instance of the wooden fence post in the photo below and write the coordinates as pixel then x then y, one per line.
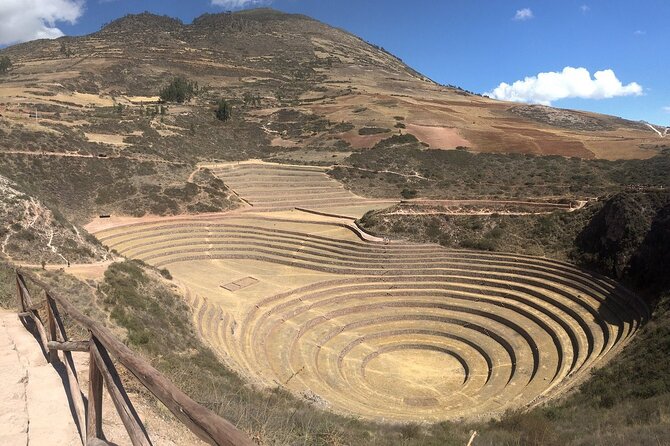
pixel 73 380
pixel 94 412
pixel 53 336
pixel 124 407
pixel 19 294
pixel 200 420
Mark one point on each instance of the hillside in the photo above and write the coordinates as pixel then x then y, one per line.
pixel 33 233
pixel 351 253
pixel 340 91
pixel 624 236
pixel 85 110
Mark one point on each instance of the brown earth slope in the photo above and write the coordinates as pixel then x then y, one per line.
pixel 295 82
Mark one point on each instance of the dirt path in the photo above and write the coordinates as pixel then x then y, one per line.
pixel 79 270
pixel 483 207
pixel 465 213
pixel 414 175
pixel 87 155
pixel 34 407
pixel 663 134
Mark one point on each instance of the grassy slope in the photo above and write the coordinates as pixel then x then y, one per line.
pixel 7 286
pixel 459 174
pixel 548 235
pixel 31 232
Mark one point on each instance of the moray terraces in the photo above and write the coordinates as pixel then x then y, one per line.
pixel 384 330
pixel 273 187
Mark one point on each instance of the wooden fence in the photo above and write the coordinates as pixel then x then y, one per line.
pixel 53 338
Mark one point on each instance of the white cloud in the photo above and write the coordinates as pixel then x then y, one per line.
pixel 640 32
pixel 666 109
pixel 585 9
pixel 569 83
pixel 239 4
pixel 524 14
pixel 23 20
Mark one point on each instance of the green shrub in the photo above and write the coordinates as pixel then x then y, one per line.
pixel 179 90
pixel 7 286
pixel 5 64
pixel 372 131
pixel 408 193
pixel 223 110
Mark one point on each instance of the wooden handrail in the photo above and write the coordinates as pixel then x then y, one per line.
pixel 201 421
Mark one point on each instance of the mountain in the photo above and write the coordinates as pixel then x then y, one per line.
pixel 82 127
pixel 300 83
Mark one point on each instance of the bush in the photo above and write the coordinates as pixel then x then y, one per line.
pixel 372 131
pixel 179 90
pixel 223 110
pixel 5 64
pixel 408 193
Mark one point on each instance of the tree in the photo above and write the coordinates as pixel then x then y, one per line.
pixel 179 90
pixel 223 110
pixel 5 64
pixel 251 99
pixel 65 50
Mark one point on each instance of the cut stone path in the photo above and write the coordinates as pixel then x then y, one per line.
pixel 34 407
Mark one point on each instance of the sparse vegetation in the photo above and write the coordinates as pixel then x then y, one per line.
pixel 179 90
pixel 223 110
pixel 65 50
pixel 7 286
pixel 399 163
pixel 551 235
pixel 372 131
pixel 251 99
pixel 5 64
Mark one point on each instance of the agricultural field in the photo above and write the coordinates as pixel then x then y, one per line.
pixel 273 187
pixel 371 327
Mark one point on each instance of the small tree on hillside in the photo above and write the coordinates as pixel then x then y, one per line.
pixel 5 64
pixel 251 99
pixel 65 50
pixel 223 110
pixel 179 90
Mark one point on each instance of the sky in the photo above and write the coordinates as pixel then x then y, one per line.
pixel 607 56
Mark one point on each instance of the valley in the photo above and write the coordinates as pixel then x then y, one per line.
pixel 307 301
pixel 321 245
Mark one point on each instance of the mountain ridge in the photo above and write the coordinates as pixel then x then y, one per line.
pixel 320 70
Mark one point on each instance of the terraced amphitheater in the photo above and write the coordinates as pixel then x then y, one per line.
pixel 388 331
pixel 277 187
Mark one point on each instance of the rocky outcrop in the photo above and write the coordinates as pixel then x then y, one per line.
pixel 629 237
pixel 31 232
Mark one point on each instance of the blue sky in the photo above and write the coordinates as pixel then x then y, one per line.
pixel 473 44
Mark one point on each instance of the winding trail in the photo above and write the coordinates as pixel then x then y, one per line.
pixel 658 132
pixel 88 155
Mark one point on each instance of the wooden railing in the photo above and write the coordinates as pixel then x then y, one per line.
pixel 53 338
